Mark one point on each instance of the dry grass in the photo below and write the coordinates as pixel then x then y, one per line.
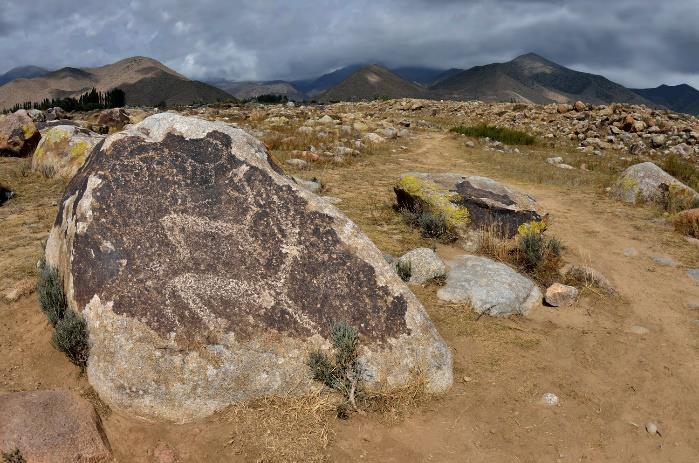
pixel 687 223
pixel 26 219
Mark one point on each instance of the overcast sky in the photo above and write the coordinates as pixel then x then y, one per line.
pixel 639 43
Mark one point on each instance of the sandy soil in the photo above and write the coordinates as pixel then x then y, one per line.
pixel 610 380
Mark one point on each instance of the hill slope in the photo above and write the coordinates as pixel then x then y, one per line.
pixel 144 80
pixel 371 82
pixel 531 78
pixel 245 90
pixel 22 72
pixel 680 98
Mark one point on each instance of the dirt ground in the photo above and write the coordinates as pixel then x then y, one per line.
pixel 610 380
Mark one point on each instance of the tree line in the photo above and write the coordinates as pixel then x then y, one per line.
pixel 114 98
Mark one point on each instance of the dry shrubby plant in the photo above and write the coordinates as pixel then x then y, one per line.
pixel 70 329
pixel 14 456
pixel 504 135
pixel 342 372
pixel 432 225
pixel 404 270
pixel 687 223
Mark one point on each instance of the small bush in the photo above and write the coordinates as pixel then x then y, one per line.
pixel 70 329
pixel 535 248
pixel 341 373
pixel 507 136
pixel 684 171
pixel 13 457
pixel 404 271
pixel 676 198
pixel 431 225
pixel 50 292
pixel 70 337
pixel 687 223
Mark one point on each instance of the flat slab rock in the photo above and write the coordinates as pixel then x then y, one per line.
pixel 488 201
pixel 52 427
pixel 489 287
pixel 206 276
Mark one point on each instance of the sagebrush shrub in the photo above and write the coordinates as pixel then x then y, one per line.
pixel 49 290
pixel 507 136
pixel 13 457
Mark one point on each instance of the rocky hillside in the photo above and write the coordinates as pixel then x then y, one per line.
pixel 532 79
pixel 681 98
pixel 145 81
pixel 372 82
pixel 246 90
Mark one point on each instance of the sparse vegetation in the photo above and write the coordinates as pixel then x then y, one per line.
pixel 342 372
pixel 677 198
pixel 14 456
pixel 504 135
pixel 432 225
pixel 687 223
pixel 403 269
pixel 70 329
pixel 685 172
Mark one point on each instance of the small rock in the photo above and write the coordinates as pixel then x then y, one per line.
pixel 693 304
pixel 550 399
pixel 559 295
pixel 327 120
pixel 579 106
pixel 630 252
pixel 300 163
pixel 693 274
pixel 555 160
pixel 424 265
pixel 470 144
pixel 652 428
pixel 664 260
pixel 640 330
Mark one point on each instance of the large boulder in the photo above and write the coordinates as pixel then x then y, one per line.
pixel 646 182
pixel 480 201
pixel 63 150
pixel 51 427
pixel 18 134
pixel 489 287
pixel 206 276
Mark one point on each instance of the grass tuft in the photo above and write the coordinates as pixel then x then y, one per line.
pixel 14 456
pixel 404 270
pixel 685 172
pixel 507 136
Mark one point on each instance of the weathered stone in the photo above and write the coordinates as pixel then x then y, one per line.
pixel 487 201
pixel 5 194
pixel 115 118
pixel 18 134
pixel 424 265
pixel 373 138
pixel 206 276
pixel 580 106
pixel 52 427
pixel 559 295
pixel 55 113
pixel 489 287
pixel 646 182
pixel 63 150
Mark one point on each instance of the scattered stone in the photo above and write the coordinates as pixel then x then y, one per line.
pixel 693 273
pixel 664 260
pixel 207 277
pixel 487 201
pixel 489 287
pixel 559 295
pixel 630 252
pixel 52 426
pixel 326 120
pixel 647 182
pixel 18 134
pixel 652 428
pixel 373 138
pixel 580 106
pixel 424 265
pixel 55 113
pixel 470 144
pixel 19 289
pixel 313 185
pixel 63 150
pixel 114 119
pixel 550 399
pixel 640 330
pixel 300 163
pixel 555 160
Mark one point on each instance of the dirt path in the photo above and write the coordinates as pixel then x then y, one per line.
pixel 609 379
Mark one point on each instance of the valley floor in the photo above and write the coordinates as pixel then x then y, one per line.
pixel 615 363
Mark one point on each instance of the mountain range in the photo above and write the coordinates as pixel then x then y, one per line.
pixel 528 78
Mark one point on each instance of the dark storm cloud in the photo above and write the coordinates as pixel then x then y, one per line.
pixel 636 42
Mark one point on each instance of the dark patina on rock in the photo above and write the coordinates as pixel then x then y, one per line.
pixel 183 246
pixel 489 203
pixel 18 134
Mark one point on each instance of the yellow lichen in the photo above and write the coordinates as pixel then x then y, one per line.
pixel 28 130
pixel 629 183
pixel 437 199
pixel 79 150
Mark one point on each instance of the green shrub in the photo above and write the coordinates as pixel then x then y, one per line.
pixel 13 457
pixel 404 270
pixel 50 292
pixel 507 136
pixel 70 329
pixel 341 373
pixel 70 337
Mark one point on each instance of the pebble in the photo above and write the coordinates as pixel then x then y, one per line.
pixel 693 274
pixel 550 399
pixel 630 252
pixel 651 427
pixel 637 329
pixel 667 261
